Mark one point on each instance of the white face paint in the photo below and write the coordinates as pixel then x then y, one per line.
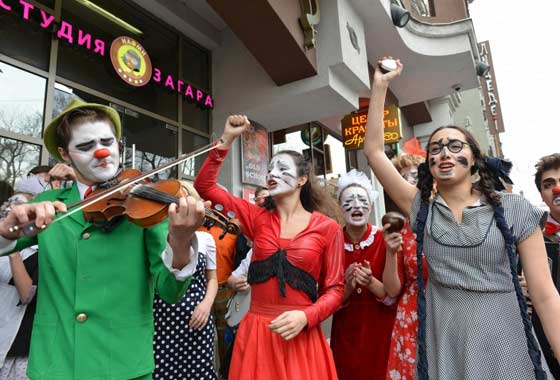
pixel 94 151
pixel 355 205
pixel 282 174
pixel 410 174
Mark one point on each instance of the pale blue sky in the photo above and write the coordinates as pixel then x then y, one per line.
pixel 523 36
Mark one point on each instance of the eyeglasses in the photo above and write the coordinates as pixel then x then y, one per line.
pixel 453 145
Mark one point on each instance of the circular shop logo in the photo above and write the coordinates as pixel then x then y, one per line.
pixel 131 61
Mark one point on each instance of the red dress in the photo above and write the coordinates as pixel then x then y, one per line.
pixel 303 273
pixel 361 331
pixel 402 355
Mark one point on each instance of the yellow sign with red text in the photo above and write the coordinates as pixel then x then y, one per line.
pixel 354 127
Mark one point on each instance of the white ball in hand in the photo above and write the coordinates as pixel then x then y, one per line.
pixel 388 65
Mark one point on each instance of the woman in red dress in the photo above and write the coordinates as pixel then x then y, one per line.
pixel 296 271
pixel 399 277
pixel 361 331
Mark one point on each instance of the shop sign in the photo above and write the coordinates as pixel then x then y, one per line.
pixel 354 127
pixel 129 59
pixel 254 156
pixel 490 91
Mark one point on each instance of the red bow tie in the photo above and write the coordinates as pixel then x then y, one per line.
pixel 551 228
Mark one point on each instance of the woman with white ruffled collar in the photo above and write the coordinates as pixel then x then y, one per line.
pixel 361 331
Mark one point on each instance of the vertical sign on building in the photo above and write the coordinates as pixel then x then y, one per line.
pixel 490 91
pixel 254 156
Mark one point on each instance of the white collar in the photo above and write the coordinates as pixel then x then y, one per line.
pixel 82 189
pixel 364 243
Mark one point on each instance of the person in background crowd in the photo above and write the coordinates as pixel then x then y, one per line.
pixel 469 322
pixel 94 315
pixel 399 278
pixel 547 180
pixel 261 196
pixel 38 179
pixel 237 282
pixel 22 273
pixel 225 255
pixel 238 307
pixel 18 277
pixel 184 332
pixel 361 329
pixel 296 274
pixel 6 191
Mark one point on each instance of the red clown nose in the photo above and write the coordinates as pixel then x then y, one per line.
pixel 101 153
pixel 556 190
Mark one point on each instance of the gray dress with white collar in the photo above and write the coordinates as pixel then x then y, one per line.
pixel 474 329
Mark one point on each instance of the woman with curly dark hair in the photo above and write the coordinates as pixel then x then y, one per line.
pixel 473 320
pixel 296 271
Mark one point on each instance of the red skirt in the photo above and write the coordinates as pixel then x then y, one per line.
pixel 260 354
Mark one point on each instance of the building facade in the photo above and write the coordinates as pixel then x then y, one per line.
pixel 297 68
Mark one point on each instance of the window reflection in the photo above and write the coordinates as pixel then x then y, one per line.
pixel 22 101
pixel 192 142
pixel 17 158
pixel 149 143
pixel 93 71
pixel 25 40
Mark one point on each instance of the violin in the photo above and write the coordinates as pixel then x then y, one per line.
pixel 146 203
pixel 142 202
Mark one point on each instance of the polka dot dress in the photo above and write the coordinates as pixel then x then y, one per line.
pixel 181 353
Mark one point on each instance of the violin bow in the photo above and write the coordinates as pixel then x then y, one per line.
pixel 78 206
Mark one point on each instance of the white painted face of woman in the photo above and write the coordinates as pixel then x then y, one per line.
pixel 282 175
pixel 355 205
pixel 94 151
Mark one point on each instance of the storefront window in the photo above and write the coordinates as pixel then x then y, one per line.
pixel 153 143
pixel 22 101
pixel 192 142
pixel 195 117
pixel 313 141
pixel 196 65
pixel 63 95
pixel 17 158
pixel 336 157
pixel 24 40
pixel 82 65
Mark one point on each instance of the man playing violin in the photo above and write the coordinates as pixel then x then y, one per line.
pixel 94 315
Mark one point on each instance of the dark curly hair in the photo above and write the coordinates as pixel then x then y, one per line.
pixel 486 183
pixel 550 162
pixel 487 186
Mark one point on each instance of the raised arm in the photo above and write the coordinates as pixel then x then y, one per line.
pixel 400 191
pixel 206 180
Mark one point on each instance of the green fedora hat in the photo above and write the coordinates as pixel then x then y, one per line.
pixel 50 132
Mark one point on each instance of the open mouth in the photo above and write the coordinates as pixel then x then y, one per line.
pixel 556 200
pixel 446 166
pixel 357 215
pixel 272 184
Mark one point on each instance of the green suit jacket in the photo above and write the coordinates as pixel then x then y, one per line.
pixel 94 317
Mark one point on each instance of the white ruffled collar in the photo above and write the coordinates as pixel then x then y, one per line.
pixel 364 243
